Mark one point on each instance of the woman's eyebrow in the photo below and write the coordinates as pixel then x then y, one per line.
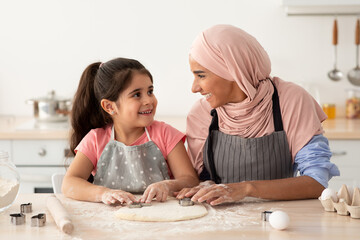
pixel 198 71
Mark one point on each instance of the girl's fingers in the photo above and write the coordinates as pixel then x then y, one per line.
pixel 151 195
pixel 145 195
pixel 164 196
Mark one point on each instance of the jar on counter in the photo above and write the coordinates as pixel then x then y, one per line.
pixel 353 104
pixel 9 181
pixel 330 110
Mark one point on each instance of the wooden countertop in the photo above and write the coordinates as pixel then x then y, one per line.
pixel 15 128
pixel 308 220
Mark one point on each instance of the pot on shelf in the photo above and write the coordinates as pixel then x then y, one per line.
pixel 51 108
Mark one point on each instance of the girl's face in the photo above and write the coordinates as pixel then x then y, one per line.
pixel 217 91
pixel 136 105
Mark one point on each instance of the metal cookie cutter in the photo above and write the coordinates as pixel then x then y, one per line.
pixel 135 205
pixel 26 208
pixel 265 215
pixel 144 204
pixel 17 218
pixel 38 220
pixel 186 202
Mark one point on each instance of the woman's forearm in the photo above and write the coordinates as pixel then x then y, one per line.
pixel 303 187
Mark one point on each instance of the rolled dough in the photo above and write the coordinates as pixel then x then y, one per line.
pixel 169 211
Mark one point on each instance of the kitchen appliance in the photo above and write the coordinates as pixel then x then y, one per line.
pixel 354 74
pixel 335 74
pixel 51 108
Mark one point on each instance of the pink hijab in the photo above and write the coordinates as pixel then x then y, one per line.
pixel 233 54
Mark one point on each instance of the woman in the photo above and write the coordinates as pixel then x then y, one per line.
pixel 251 133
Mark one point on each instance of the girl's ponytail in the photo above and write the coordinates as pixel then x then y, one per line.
pixel 86 113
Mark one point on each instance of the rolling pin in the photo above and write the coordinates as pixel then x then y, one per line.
pixel 59 214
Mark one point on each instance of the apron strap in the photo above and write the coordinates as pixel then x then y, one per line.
pixel 113 133
pixel 278 124
pixel 147 134
pixel 213 126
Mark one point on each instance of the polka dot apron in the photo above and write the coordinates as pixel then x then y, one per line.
pixel 130 168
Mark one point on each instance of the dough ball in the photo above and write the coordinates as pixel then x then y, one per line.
pixel 329 193
pixel 279 220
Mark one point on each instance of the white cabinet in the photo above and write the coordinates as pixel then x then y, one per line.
pixel 5 146
pixel 36 161
pixel 346 155
pixel 39 152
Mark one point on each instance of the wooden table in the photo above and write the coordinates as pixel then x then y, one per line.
pixel 308 220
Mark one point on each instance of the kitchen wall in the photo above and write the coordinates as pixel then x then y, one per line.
pixel 46 44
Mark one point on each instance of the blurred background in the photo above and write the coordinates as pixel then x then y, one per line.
pixel 46 44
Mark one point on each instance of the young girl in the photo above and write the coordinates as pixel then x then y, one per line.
pixel 117 141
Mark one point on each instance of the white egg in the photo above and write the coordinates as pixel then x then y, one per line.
pixel 279 220
pixel 329 193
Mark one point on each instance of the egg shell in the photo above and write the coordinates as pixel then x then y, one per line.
pixel 279 220
pixel 329 193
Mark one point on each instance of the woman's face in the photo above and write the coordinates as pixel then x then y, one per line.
pixel 217 91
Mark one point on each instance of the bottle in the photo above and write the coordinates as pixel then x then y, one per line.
pixel 330 110
pixel 9 181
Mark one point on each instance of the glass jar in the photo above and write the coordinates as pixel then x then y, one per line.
pixel 330 110
pixel 9 181
pixel 353 104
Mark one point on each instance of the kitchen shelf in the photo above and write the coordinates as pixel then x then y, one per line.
pixel 322 7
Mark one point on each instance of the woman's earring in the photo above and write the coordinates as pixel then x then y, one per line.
pixel 112 112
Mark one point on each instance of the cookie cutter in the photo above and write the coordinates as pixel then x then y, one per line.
pixel 135 205
pixel 26 208
pixel 17 218
pixel 265 215
pixel 186 202
pixel 144 204
pixel 38 220
pixel 138 205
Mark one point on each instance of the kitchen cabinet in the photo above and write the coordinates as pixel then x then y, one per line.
pixel 37 150
pixel 346 155
pixel 5 146
pixel 36 161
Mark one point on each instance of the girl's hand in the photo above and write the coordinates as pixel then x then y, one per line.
pixel 158 190
pixel 112 196
pixel 189 192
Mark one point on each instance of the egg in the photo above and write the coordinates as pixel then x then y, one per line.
pixel 279 220
pixel 329 193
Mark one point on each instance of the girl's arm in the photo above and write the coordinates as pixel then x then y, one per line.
pixel 76 186
pixel 184 176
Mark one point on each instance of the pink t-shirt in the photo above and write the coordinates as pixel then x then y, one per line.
pixel 162 134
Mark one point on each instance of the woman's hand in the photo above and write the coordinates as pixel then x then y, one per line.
pixel 112 196
pixel 158 190
pixel 189 192
pixel 215 194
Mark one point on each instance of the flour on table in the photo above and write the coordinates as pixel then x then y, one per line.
pixel 8 191
pixel 169 211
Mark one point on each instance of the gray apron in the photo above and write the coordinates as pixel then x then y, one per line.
pixel 130 168
pixel 230 158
